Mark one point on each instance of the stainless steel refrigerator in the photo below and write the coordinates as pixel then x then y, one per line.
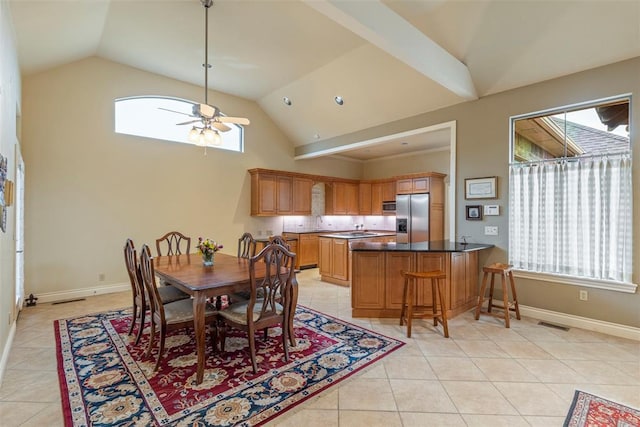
pixel 412 218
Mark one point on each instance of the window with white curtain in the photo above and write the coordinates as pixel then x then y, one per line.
pixel 570 194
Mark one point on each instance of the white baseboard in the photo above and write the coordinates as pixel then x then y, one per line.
pixel 7 349
pixel 609 328
pixel 81 293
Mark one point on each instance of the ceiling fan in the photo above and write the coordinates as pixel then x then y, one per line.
pixel 207 118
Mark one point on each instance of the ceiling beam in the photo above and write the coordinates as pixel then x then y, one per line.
pixel 382 27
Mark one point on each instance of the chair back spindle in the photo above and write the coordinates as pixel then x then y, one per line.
pixel 246 246
pixel 175 242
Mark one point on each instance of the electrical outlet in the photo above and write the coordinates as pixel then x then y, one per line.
pixel 584 296
pixel 490 230
pixel 269 232
pixel 101 277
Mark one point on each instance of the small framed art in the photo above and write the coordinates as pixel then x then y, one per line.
pixel 481 188
pixel 474 212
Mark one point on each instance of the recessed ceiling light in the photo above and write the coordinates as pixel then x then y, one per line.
pixel 339 100
pixel 287 101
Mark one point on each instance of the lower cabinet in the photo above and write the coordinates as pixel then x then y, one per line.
pixel 336 264
pixel 369 266
pixel 377 285
pixel 307 255
pixel 334 260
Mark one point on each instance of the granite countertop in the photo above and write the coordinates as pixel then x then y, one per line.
pixel 357 234
pixel 310 231
pixel 433 246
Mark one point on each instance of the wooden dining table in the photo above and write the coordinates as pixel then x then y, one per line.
pixel 228 275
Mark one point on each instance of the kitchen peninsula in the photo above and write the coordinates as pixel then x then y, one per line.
pixel 376 284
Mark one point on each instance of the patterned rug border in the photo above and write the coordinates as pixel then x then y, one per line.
pixel 70 387
pixel 580 398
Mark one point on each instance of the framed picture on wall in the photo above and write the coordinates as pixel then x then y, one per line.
pixel 474 212
pixel 481 188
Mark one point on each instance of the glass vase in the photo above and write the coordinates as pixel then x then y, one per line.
pixel 207 259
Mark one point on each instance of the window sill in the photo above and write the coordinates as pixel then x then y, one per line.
pixel 609 285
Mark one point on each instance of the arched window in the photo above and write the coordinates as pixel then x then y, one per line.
pixel 157 116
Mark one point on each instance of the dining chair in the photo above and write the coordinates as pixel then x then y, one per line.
pixel 140 298
pixel 175 242
pixel 171 316
pixel 280 241
pixel 246 249
pixel 246 246
pixel 275 305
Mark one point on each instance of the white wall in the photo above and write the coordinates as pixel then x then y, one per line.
pixel 88 189
pixel 9 108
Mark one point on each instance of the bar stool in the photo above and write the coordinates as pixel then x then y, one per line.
pixel 408 299
pixel 503 270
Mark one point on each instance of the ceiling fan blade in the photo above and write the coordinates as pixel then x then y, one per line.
pixel 187 123
pixel 174 111
pixel 235 120
pixel 220 126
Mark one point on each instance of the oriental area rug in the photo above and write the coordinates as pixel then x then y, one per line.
pixel 106 380
pixel 592 411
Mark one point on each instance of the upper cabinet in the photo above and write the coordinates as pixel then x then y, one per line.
pixel 302 188
pixel 419 183
pixel 341 198
pixel 364 196
pixel 289 193
pixel 413 185
pixel 274 193
pixel 381 191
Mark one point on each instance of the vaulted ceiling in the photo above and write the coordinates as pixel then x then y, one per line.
pixel 387 59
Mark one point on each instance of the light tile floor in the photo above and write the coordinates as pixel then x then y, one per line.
pixel 484 375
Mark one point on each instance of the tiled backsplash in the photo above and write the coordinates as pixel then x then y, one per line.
pixel 335 222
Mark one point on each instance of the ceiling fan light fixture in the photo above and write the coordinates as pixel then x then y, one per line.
pixel 207 115
pixel 202 140
pixel 287 101
pixel 339 100
pixel 217 138
pixel 194 134
pixel 209 135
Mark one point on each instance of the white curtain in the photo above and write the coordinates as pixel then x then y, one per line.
pixel 572 217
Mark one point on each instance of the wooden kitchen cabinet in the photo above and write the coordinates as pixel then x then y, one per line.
pixel 334 260
pixel 339 259
pixel 364 196
pixel 377 198
pixel 279 194
pixel 370 267
pixel 394 263
pixel 341 198
pixel 382 191
pixel 302 188
pixel 389 190
pixel 324 249
pixel 308 250
pixel 430 261
pixel 264 192
pixel 289 193
pixel 413 185
pixel 307 255
pixel 371 298
pixel 284 195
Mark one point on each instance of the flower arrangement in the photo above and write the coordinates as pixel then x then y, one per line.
pixel 208 246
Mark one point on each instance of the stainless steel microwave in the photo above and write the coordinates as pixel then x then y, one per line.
pixel 389 208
